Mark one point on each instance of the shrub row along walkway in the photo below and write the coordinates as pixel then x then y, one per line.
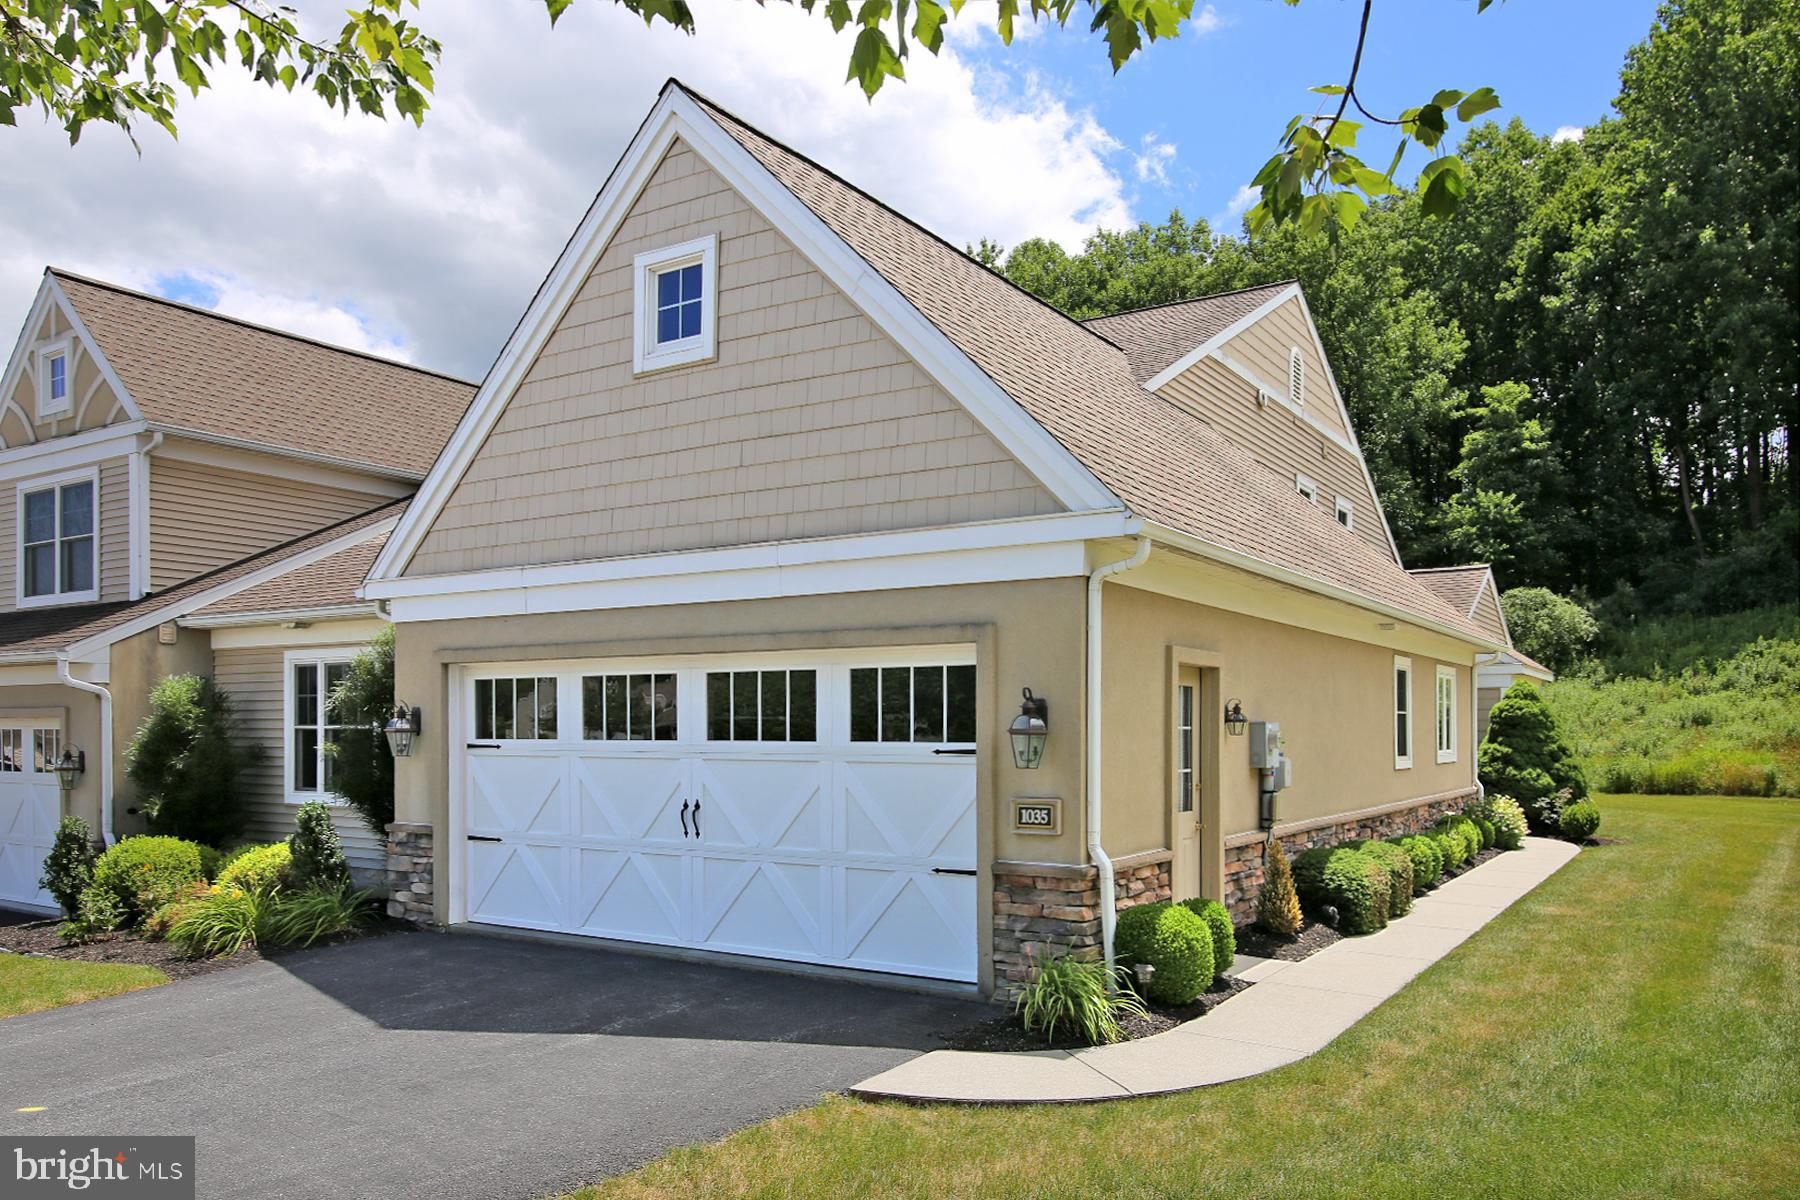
pixel 1295 1009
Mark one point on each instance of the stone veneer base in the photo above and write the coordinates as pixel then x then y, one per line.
pixel 1244 863
pixel 409 870
pixel 1053 908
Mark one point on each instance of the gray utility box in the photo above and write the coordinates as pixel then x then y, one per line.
pixel 1265 744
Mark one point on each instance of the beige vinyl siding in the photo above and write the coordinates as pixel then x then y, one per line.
pixel 1485 699
pixel 1280 440
pixel 809 422
pixel 1264 348
pixel 253 680
pixel 94 403
pixel 113 528
pixel 1487 613
pixel 203 516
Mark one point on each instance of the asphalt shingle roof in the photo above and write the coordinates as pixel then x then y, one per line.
pixel 190 369
pixel 1164 463
pixel 1155 338
pixel 331 582
pixel 1457 586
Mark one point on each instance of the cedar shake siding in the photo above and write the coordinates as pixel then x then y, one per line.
pixel 809 422
pixel 113 525
pixel 253 680
pixel 203 517
pixel 1278 438
pixel 1487 613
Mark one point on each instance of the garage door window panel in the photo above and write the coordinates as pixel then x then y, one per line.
pixel 930 705
pixel 637 707
pixel 767 706
pixel 515 709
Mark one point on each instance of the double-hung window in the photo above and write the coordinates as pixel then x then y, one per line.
pixel 1403 734
pixel 57 562
pixel 1446 714
pixel 675 315
pixel 53 382
pixel 312 726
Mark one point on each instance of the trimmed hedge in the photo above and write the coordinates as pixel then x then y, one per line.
pixel 1486 828
pixel 1172 939
pixel 1349 880
pixel 144 873
pixel 1450 847
pixel 1400 873
pixel 1427 859
pixel 1580 820
pixel 256 868
pixel 1218 923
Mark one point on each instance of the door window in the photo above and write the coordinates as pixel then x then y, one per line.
pixel 1184 754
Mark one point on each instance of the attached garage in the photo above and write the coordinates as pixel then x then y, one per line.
pixel 817 806
pixel 30 807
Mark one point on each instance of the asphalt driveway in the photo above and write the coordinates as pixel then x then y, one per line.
pixel 446 1066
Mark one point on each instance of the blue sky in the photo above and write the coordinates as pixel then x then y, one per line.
pixel 426 244
pixel 1222 97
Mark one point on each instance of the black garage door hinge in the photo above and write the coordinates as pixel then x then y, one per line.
pixel 476 837
pixel 952 871
pixel 483 746
pixel 970 750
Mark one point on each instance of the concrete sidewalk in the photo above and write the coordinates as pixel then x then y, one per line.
pixel 1295 1008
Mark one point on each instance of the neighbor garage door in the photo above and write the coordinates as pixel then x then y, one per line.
pixel 813 807
pixel 30 806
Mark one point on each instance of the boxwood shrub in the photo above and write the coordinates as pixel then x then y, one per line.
pixel 1224 934
pixel 1450 847
pixel 1486 828
pixel 1400 874
pixel 144 873
pixel 1579 821
pixel 1427 860
pixel 1349 880
pixel 256 868
pixel 1172 939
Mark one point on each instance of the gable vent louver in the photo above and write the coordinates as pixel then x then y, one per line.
pixel 1296 377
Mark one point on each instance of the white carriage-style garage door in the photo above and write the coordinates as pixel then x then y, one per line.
pixel 30 807
pixel 816 807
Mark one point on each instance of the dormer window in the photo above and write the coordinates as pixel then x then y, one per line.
pixel 1307 489
pixel 53 381
pixel 675 317
pixel 1346 513
pixel 57 560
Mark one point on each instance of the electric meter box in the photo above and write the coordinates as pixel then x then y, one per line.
pixel 1284 774
pixel 1265 744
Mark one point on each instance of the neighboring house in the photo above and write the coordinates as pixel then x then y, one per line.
pixel 1472 591
pixel 176 483
pixel 720 600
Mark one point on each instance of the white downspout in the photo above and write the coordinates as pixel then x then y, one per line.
pixel 1475 730
pixel 106 741
pixel 1109 908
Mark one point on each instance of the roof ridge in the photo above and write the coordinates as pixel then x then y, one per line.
pixel 709 102
pixel 121 289
pixel 1435 570
pixel 1252 287
pixel 279 546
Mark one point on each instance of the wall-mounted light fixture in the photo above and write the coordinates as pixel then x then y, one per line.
pixel 69 767
pixel 1235 720
pixel 1029 731
pixel 402 730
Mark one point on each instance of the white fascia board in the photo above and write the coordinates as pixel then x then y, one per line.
pixel 677 115
pixel 168 612
pixel 74 450
pixel 343 631
pixel 279 616
pixel 307 467
pixel 1178 540
pixel 1224 335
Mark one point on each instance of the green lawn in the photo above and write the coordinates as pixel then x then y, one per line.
pixel 1630 1029
pixel 31 984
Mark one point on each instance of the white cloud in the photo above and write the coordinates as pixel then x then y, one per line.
pixel 1153 160
pixel 429 243
pixel 1229 219
pixel 1206 21
pixel 1567 133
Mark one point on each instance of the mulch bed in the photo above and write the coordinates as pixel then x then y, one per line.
pixel 1003 1032
pixel 39 937
pixel 1313 937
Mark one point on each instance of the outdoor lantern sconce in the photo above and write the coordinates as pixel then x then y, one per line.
pixel 72 763
pixel 1029 730
pixel 1235 720
pixel 402 730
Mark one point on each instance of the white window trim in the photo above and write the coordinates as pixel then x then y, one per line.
pixel 1446 721
pixel 1345 511
pixel 47 408
pixel 1296 377
pixel 1307 488
pixel 646 355
pixel 1403 762
pixel 90 475
pixel 289 660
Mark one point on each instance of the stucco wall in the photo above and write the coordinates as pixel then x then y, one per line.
pixel 1332 695
pixel 808 422
pixel 138 663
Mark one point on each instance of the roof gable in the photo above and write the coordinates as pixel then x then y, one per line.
pixel 1471 590
pixel 219 378
pixel 52 304
pixel 1156 338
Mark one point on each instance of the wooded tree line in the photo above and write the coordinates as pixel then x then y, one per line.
pixel 1588 373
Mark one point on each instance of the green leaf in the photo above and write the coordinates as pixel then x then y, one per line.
pixel 1477 102
pixel 1446 98
pixel 1441 186
pixel 1329 89
pixel 556 9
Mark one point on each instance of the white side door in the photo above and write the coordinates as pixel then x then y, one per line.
pixel 30 807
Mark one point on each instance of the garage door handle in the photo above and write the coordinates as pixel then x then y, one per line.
pixel 476 837
pixel 696 818
pixel 952 871
pixel 684 828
